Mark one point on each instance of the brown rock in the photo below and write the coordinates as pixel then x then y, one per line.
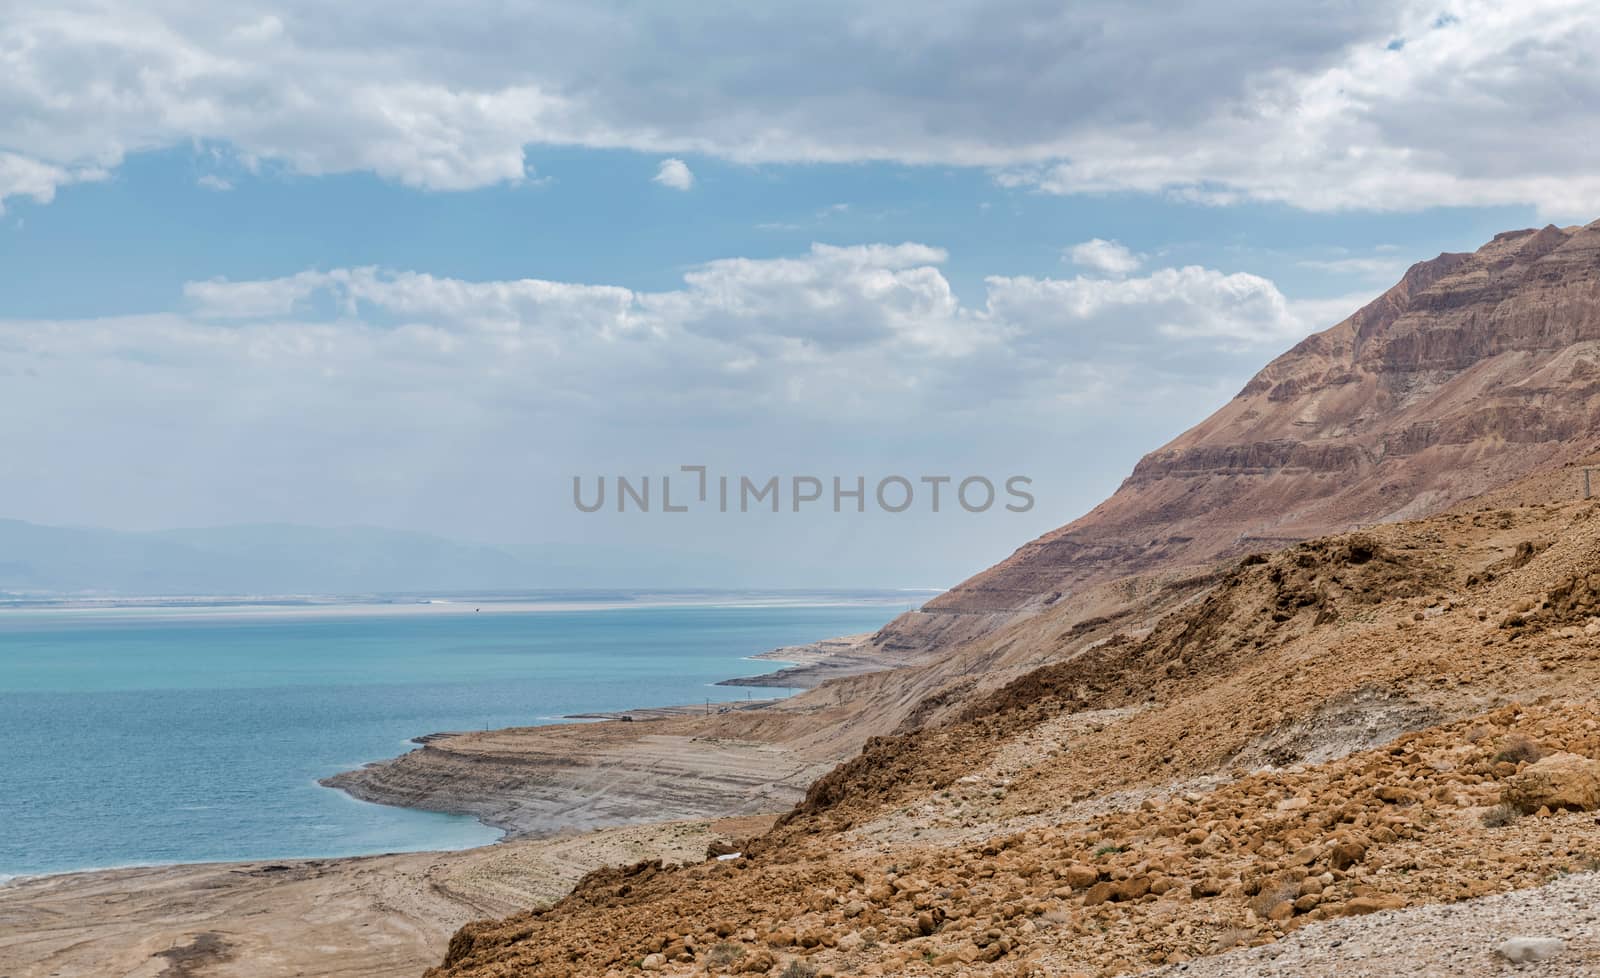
pixel 1347 854
pixel 1560 781
pixel 1371 904
pixel 1100 893
pixel 1133 888
pixel 1205 888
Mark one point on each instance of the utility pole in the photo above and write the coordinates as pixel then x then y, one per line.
pixel 1587 491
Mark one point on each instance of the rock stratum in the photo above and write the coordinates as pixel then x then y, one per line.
pixel 1470 372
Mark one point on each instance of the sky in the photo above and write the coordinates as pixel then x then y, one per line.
pixel 420 267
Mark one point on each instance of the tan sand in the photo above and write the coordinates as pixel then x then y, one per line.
pixel 342 918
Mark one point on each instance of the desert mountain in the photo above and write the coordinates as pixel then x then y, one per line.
pixel 1470 372
pixel 1189 750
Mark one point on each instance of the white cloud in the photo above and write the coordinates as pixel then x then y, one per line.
pixel 1366 105
pixel 1482 105
pixel 24 177
pixel 1110 257
pixel 406 398
pixel 211 181
pixel 674 173
pixel 1378 269
pixel 1156 316
pixel 829 333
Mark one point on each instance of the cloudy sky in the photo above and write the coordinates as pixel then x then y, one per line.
pixel 418 266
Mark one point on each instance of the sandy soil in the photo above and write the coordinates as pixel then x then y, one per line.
pixel 342 918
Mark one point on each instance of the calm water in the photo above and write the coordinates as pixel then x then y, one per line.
pixel 159 736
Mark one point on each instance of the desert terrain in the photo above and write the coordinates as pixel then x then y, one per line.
pixel 1313 693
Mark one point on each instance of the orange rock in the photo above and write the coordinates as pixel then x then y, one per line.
pixel 1371 904
pixel 1560 781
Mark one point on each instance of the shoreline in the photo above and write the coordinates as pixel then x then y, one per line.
pixel 377 605
pixel 624 767
pixel 810 656
pixel 814 663
pixel 568 797
pixel 374 916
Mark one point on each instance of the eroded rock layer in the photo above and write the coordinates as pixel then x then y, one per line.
pixel 1472 371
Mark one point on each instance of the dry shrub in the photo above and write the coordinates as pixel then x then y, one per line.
pixel 1518 749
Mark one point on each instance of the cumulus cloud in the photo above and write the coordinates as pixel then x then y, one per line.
pixel 1110 257
pixel 1364 105
pixel 674 173
pixel 1408 118
pixel 830 332
pixel 398 397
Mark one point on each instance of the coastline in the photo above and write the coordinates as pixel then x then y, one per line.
pixel 569 797
pixel 358 916
pixel 626 767
pixel 814 663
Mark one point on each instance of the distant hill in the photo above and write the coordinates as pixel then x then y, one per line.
pixel 277 558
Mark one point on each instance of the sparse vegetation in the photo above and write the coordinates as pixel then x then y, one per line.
pixel 1518 749
pixel 725 954
pixel 800 969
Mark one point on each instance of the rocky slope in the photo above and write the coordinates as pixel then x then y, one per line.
pixel 1161 732
pixel 1472 371
pixel 1396 717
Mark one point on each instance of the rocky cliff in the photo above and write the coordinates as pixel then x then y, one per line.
pixel 1471 371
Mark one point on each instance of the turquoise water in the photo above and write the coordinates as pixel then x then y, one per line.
pixel 161 735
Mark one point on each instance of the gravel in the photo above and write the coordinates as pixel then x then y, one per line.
pixel 1441 941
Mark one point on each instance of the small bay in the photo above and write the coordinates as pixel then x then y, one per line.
pixel 163 734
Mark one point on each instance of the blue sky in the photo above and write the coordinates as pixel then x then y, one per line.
pixel 275 263
pixel 595 216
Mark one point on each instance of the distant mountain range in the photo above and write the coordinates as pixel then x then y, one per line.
pixel 278 558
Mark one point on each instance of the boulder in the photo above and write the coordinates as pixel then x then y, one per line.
pixel 1560 781
pixel 1371 904
pixel 1520 950
pixel 1100 893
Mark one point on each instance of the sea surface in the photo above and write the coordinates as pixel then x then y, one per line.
pixel 161 734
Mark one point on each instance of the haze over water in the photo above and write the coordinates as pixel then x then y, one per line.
pixel 177 735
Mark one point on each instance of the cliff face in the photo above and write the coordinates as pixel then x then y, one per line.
pixel 1470 372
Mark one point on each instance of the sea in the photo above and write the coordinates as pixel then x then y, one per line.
pixel 169 732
